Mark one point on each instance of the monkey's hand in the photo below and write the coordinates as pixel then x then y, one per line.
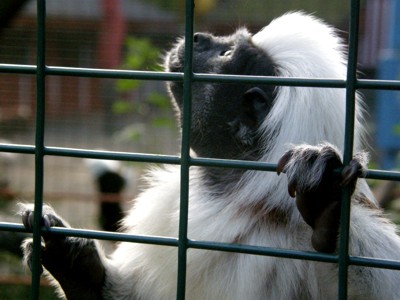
pixel 74 262
pixel 317 188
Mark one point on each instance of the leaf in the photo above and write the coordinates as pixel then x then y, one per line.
pixel 396 129
pixel 162 122
pixel 159 100
pixel 123 107
pixel 124 85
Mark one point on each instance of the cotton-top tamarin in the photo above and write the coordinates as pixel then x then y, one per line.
pixel 299 128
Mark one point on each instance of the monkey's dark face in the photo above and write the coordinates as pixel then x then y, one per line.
pixel 225 117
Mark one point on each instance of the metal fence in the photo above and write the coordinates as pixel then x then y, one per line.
pixel 40 150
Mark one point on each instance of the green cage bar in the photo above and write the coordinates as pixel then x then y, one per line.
pixel 39 150
pixel 185 151
pixel 348 146
pixel 39 144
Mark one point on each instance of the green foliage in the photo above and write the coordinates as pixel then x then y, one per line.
pixel 160 101
pixel 396 129
pixel 141 54
pixel 162 122
pixel 123 107
pixel 154 102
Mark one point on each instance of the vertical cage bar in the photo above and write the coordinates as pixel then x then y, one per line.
pixel 185 151
pixel 39 146
pixel 351 82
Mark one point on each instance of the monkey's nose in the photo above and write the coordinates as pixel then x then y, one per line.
pixel 201 38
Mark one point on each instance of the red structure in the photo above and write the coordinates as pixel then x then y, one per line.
pixel 112 34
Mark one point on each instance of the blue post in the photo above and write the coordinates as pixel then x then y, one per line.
pixel 388 106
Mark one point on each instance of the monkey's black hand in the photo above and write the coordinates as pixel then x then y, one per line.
pixel 317 188
pixel 74 262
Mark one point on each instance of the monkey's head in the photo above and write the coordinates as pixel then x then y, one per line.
pixel 248 121
pixel 225 117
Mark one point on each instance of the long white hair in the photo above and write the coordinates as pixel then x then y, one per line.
pixel 302 46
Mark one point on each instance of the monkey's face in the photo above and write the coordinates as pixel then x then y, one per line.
pixel 225 117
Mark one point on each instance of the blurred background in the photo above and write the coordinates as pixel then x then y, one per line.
pixel 136 116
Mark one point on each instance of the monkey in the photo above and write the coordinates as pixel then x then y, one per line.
pixel 301 129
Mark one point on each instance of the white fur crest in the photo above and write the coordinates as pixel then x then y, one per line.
pixel 305 47
pixel 302 46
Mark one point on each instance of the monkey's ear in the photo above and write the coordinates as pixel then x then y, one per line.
pixel 256 105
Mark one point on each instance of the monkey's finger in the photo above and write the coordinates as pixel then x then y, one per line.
pixel 281 166
pixel 351 172
pixel 46 221
pixel 27 219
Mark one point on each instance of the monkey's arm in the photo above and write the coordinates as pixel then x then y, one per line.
pixel 76 263
pixel 318 189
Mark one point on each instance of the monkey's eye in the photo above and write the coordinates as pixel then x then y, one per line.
pixel 226 52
